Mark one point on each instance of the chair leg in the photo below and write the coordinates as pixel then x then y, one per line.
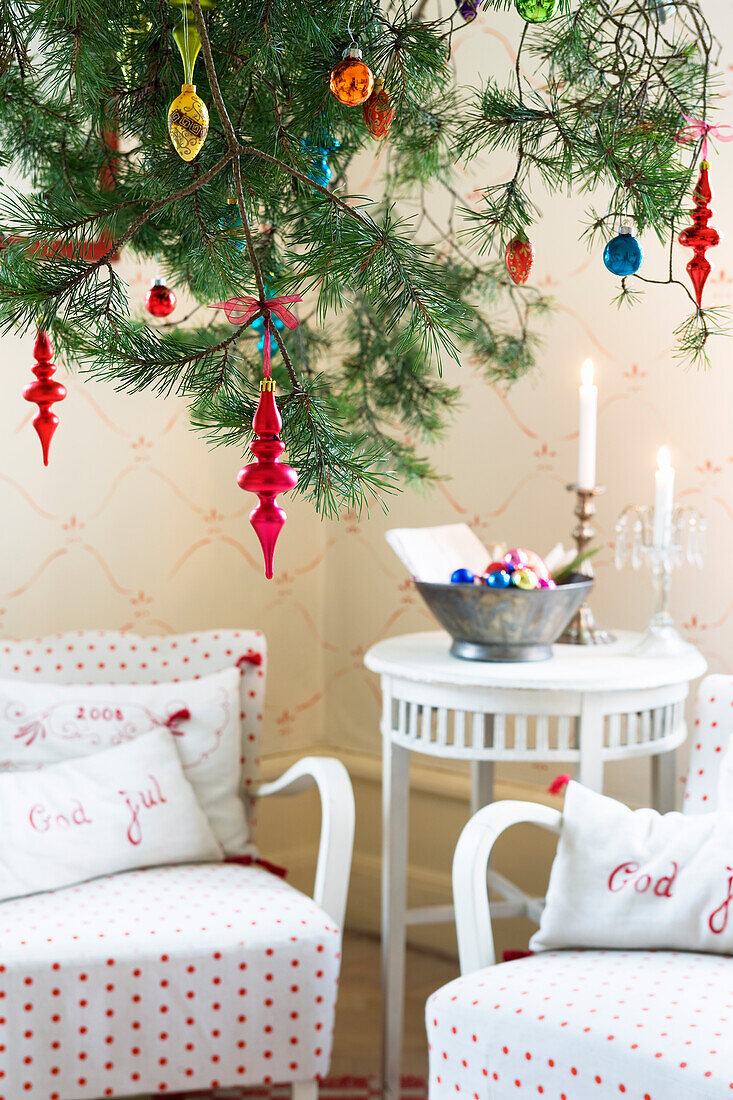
pixel 304 1090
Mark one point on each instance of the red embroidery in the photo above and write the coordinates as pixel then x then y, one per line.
pixel 93 714
pixel 141 800
pixel 722 910
pixel 627 871
pixel 41 820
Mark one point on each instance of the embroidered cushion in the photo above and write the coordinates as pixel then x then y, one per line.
pixel 637 879
pixel 126 807
pixel 42 723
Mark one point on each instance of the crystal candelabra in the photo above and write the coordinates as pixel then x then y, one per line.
pixel 583 629
pixel 684 542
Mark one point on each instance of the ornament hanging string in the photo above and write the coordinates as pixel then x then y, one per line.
pixel 697 128
pixel 240 311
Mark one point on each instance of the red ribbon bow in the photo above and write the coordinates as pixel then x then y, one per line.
pixel 240 311
pixel 697 128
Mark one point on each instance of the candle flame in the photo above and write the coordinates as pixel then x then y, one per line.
pixel 664 458
pixel 586 373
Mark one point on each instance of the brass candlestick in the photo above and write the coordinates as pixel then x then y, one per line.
pixel 583 629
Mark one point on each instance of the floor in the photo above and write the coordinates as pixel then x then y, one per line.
pixel 358 1017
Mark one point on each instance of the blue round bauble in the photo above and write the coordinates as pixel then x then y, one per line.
pixel 462 576
pixel 501 578
pixel 623 254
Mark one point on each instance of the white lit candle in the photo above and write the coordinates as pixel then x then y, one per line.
pixel 663 498
pixel 587 433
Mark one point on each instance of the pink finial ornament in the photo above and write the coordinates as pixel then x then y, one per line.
pixel 267 476
pixel 44 392
pixel 700 236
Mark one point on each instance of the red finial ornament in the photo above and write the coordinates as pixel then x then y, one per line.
pixel 44 392
pixel 267 477
pixel 700 236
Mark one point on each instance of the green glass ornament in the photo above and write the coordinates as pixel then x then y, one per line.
pixel 536 11
pixel 186 35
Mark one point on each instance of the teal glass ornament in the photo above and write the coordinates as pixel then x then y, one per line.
pixel 259 326
pixel 320 149
pixel 231 223
pixel 536 11
pixel 623 255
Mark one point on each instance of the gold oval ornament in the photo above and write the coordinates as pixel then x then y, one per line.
pixel 188 122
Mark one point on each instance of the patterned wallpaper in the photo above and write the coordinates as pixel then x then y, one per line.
pixel 136 524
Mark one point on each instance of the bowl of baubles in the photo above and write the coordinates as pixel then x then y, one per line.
pixel 514 611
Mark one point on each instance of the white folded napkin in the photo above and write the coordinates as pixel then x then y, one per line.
pixel 433 553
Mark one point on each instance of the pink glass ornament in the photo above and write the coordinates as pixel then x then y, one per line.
pixel 267 476
pixel 700 236
pixel 44 392
pixel 517 557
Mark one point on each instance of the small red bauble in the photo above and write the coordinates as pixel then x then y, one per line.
pixel 160 300
pixel 44 392
pixel 519 259
pixel 267 476
pixel 700 236
pixel 378 111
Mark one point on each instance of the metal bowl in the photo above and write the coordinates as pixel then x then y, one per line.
pixel 507 624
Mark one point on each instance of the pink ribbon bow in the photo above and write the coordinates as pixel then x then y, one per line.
pixel 240 311
pixel 697 128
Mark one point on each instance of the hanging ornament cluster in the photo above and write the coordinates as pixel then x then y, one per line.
pixel 352 80
pixel 44 392
pixel 519 257
pixel 160 300
pixel 188 116
pixel 536 11
pixel 700 236
pixel 267 476
pixel 378 111
pixel 623 255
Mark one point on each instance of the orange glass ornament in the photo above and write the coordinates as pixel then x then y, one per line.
pixel 352 80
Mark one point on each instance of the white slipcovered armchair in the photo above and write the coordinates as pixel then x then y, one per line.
pixel 188 977
pixel 583 1025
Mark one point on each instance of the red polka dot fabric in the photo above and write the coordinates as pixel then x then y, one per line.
pixel 709 740
pixel 585 1025
pixel 111 657
pixel 165 980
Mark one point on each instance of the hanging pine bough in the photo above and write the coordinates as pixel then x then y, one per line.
pixel 85 92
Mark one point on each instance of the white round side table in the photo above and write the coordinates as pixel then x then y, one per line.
pixel 587 705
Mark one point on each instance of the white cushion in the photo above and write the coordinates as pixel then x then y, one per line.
pixel 122 657
pixel 591 1025
pixel 43 723
pixel 130 806
pixel 175 978
pixel 638 879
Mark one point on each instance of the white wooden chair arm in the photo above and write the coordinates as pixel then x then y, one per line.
pixel 337 825
pixel 470 866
